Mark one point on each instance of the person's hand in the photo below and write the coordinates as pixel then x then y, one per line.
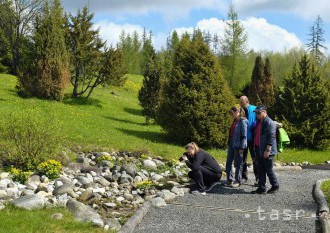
pixel 266 154
pixel 240 151
pixel 184 157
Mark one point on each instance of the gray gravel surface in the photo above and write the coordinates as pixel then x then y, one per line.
pixel 294 195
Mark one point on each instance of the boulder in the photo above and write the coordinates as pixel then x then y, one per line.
pixel 84 213
pixel 113 224
pixel 149 164
pixel 29 202
pixel 158 202
pixel 64 189
pixel 130 169
pixel 166 195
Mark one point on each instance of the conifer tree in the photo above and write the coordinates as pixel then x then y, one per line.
pixel 49 74
pixel 149 93
pixel 256 81
pixel 195 100
pixel 303 106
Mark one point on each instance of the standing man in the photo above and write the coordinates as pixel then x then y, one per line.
pixel 265 148
pixel 251 117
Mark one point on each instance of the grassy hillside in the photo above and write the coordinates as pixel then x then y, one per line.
pixel 111 118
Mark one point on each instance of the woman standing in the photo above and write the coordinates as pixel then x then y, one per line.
pixel 237 142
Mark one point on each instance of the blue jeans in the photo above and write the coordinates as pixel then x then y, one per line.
pixel 266 167
pixel 233 155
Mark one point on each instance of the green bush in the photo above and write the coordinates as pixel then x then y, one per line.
pixel 50 168
pixel 144 184
pixel 196 98
pixel 26 141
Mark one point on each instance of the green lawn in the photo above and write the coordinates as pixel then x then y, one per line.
pixel 112 119
pixel 14 220
pixel 326 190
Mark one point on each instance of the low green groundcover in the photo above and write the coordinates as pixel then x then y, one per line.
pixel 326 190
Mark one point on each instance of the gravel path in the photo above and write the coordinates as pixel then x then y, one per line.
pixel 294 195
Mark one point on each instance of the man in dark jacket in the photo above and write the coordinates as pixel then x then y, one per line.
pixel 266 149
pixel 205 170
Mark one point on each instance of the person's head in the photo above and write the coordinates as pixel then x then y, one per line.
pixel 261 112
pixel 244 101
pixel 236 112
pixel 192 148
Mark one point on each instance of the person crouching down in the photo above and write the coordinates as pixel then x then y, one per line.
pixel 237 142
pixel 205 170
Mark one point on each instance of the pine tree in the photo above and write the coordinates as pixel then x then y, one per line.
pixel 304 106
pixel 233 48
pixel 84 44
pixel 195 100
pixel 316 41
pixel 149 93
pixel 49 74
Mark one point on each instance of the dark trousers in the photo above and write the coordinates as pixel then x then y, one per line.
pixel 250 147
pixel 204 177
pixel 233 155
pixel 266 167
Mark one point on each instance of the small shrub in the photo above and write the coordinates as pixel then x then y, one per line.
pixel 26 141
pixel 143 156
pixel 50 168
pixel 171 162
pixel 103 157
pixel 144 184
pixel 19 176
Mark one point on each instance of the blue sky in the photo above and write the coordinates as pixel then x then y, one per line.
pixel 271 25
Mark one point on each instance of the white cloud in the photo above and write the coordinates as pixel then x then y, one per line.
pixel 110 31
pixel 174 9
pixel 307 9
pixel 261 34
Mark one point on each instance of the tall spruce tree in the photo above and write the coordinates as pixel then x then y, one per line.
pixel 257 78
pixel 49 74
pixel 195 100
pixel 149 93
pixel 304 106
pixel 233 49
pixel 268 88
pixel 316 41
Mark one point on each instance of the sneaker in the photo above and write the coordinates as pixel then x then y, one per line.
pixel 212 186
pixel 235 184
pixel 273 189
pixel 258 191
pixel 228 183
pixel 197 192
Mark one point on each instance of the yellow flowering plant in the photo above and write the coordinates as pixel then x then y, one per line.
pixel 50 168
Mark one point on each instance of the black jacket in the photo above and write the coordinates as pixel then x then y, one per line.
pixel 204 159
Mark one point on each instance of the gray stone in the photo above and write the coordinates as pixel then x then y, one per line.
pixel 138 179
pixel 99 190
pixel 3 193
pixel 166 195
pixel 65 188
pixel 173 183
pixel 84 180
pixel 106 163
pixel 102 154
pixel 158 162
pixel 57 216
pixel 27 192
pixel 29 202
pixel 113 224
pixel 34 179
pixel 4 175
pixel 76 166
pixel 84 213
pixel 158 202
pixel 110 205
pixel 142 175
pixel 4 183
pixel 178 191
pixel 157 177
pixel 125 179
pixel 149 163
pixel 102 181
pixel 128 197
pixel 130 169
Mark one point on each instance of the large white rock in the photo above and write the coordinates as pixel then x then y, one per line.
pixel 158 202
pixel 149 163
